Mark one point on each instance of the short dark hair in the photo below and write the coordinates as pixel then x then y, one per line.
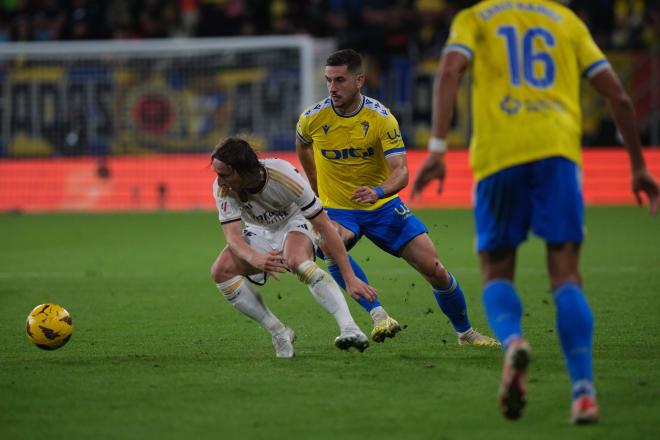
pixel 346 57
pixel 237 153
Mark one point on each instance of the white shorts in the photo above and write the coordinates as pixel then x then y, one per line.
pixel 266 240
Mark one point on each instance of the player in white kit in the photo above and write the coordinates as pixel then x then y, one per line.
pixel 281 215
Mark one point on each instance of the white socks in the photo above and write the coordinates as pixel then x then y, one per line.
pixel 246 299
pixel 326 292
pixel 378 314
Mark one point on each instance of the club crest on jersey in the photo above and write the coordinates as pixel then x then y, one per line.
pixel 365 127
pixel 326 128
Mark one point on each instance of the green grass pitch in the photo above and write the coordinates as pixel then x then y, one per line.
pixel 157 353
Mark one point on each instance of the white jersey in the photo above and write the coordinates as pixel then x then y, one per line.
pixel 285 194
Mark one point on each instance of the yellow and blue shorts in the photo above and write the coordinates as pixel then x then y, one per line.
pixel 389 227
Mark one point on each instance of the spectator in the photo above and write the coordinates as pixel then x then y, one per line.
pixel 86 20
pixel 49 21
pixel 158 18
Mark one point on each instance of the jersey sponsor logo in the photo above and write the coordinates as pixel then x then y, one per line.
pixel 510 105
pixel 270 217
pixel 347 153
pixel 395 134
pixel 542 105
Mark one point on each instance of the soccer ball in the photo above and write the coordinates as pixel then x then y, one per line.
pixel 49 326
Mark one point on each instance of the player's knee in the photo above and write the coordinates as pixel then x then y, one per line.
pixel 308 272
pixel 435 273
pixel 293 261
pixel 220 273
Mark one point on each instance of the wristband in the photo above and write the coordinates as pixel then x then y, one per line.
pixel 379 192
pixel 437 145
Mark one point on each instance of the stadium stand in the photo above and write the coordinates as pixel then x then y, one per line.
pixel 82 130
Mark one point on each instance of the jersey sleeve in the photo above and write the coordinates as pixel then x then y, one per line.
pixel 591 59
pixel 294 184
pixel 229 210
pixel 390 137
pixel 302 129
pixel 308 203
pixel 462 34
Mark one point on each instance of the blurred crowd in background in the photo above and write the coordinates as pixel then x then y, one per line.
pixel 416 28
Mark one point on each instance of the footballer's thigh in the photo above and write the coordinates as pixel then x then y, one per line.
pixel 346 235
pixel 228 265
pixel 420 253
pixel 347 223
pixel 298 248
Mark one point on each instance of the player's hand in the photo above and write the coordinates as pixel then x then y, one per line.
pixel 433 167
pixel 644 182
pixel 365 195
pixel 270 262
pixel 358 288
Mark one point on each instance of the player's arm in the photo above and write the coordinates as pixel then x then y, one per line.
pixel 270 262
pixel 334 246
pixel 607 83
pixel 306 157
pixel 445 89
pixel 398 179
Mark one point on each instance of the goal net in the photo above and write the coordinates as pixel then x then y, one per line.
pixel 176 95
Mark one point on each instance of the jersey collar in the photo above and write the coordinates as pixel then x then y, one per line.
pixel 349 115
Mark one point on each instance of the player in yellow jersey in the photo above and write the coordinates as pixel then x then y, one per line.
pixel 351 148
pixel 527 58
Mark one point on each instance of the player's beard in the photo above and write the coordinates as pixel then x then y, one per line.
pixel 349 104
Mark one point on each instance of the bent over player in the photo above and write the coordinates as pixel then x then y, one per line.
pixel 351 149
pixel 527 59
pixel 279 210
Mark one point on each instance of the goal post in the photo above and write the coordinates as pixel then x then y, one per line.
pixel 171 95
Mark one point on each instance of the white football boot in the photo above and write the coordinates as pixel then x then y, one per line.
pixel 283 343
pixel 352 337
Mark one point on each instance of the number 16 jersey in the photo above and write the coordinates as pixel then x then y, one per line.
pixel 527 59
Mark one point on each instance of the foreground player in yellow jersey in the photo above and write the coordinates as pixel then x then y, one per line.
pixel 351 148
pixel 527 58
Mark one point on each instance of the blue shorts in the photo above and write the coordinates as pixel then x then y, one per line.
pixel 544 194
pixel 389 227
